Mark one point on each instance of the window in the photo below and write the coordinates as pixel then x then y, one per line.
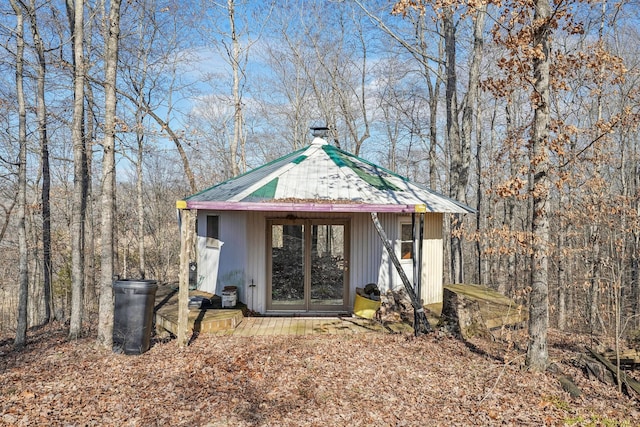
pixel 406 241
pixel 213 226
pixel 213 231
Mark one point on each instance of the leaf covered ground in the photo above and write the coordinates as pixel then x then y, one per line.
pixel 370 379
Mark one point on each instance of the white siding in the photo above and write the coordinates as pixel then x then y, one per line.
pixel 256 270
pixel 431 283
pixel 432 259
pixel 222 266
pixel 366 253
pixel 243 254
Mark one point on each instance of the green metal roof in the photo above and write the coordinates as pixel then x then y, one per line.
pixel 321 177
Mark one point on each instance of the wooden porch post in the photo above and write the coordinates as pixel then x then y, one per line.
pixel 186 236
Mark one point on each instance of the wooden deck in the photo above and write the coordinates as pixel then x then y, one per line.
pixel 232 321
pixel 496 309
pixel 200 320
pixel 257 326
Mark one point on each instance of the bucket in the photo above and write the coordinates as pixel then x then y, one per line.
pixel 365 308
pixel 229 298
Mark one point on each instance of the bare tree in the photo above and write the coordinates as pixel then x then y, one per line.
pixel 459 115
pixel 235 33
pixel 41 111
pixel 75 10
pixel 105 316
pixel 419 44
pixel 235 58
pixel 157 52
pixel 21 329
pixel 537 353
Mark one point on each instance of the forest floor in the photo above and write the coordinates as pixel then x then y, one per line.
pixel 370 379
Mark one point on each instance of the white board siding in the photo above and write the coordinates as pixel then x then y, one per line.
pixel 223 266
pixel 432 259
pixel 256 269
pixel 366 253
pixel 208 259
pixel 243 255
pixel 432 267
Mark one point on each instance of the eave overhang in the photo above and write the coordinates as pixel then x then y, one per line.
pixel 287 206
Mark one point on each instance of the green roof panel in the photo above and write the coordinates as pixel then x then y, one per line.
pixel 267 191
pixel 375 180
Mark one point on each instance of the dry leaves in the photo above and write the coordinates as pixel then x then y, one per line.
pixel 328 380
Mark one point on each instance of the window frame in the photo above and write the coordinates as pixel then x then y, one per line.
pixel 402 242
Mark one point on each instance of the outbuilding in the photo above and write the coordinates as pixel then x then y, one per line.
pixel 295 236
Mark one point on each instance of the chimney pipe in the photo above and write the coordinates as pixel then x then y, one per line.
pixel 319 131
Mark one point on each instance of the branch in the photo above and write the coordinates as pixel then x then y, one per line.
pixel 590 144
pixel 412 50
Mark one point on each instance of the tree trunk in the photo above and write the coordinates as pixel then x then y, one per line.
pixel 76 13
pixel 433 134
pixel 41 112
pixel 635 276
pixel 635 252
pixel 105 309
pixel 562 262
pixel 455 144
pixel 23 280
pixel 139 198
pixel 471 105
pixel 507 287
pixel 461 315
pixel 421 325
pixel 537 353
pixel 237 139
pixel 90 289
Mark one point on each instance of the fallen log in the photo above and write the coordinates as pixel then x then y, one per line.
pixel 594 369
pixel 566 382
pixel 629 382
pixel 569 386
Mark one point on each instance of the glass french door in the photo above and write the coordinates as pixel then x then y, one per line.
pixel 308 265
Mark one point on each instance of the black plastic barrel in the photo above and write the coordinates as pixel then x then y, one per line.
pixel 133 315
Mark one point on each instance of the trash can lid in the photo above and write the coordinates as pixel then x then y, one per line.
pixel 135 284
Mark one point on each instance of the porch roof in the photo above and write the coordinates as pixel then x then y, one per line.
pixel 322 178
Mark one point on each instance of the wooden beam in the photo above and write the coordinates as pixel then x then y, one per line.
pixel 621 377
pixel 186 234
pixel 421 325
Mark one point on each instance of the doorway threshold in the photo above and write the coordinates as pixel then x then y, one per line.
pixel 324 314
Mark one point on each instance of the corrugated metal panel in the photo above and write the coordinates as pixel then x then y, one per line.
pixel 366 253
pixel 431 290
pixel 256 271
pixel 322 173
pixel 433 226
pixel 244 253
pixel 218 267
pixel 232 265
pixel 388 278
